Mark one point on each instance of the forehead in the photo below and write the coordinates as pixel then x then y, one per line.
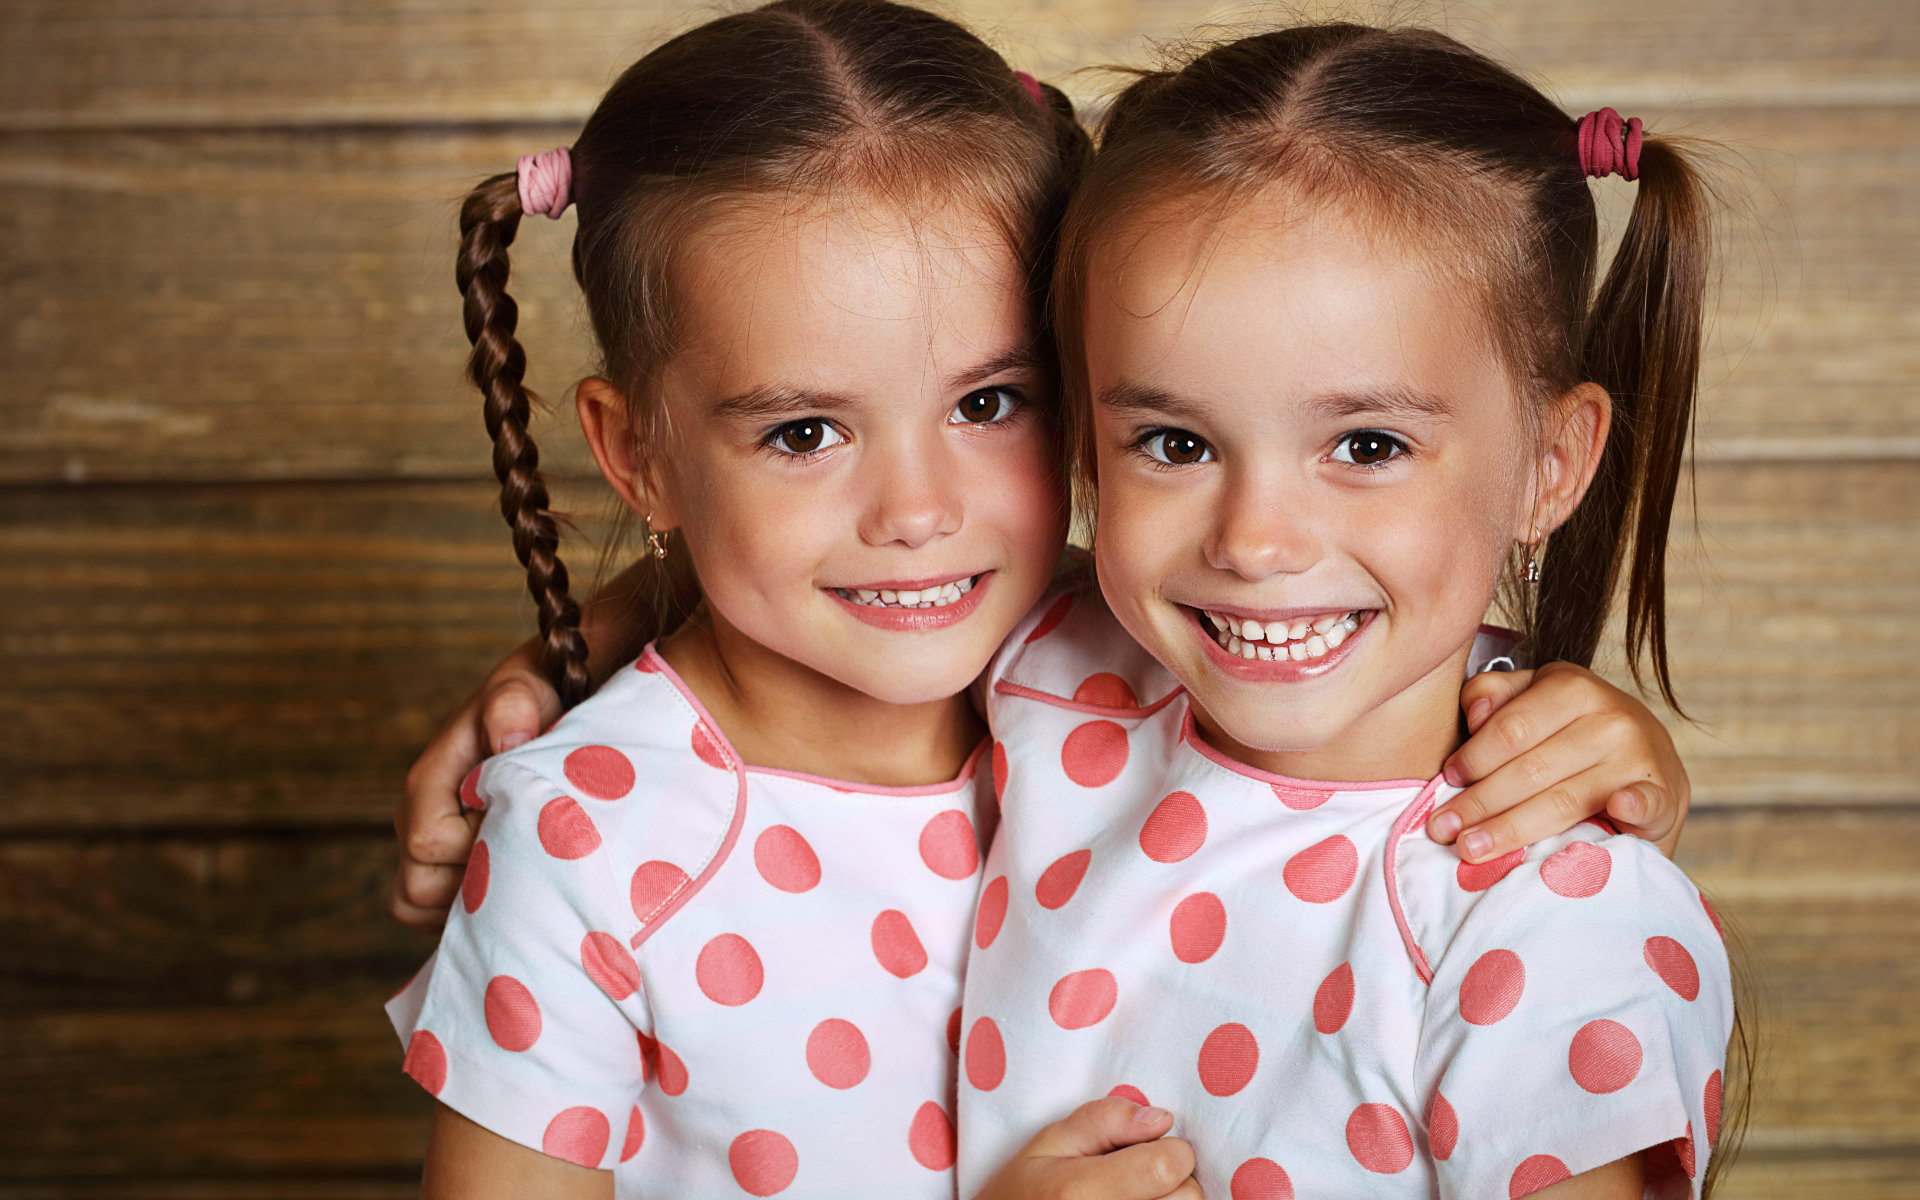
pixel 1263 296
pixel 852 286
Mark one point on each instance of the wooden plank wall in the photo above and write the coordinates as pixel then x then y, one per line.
pixel 249 559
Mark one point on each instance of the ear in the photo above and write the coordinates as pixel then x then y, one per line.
pixel 1576 426
pixel 608 423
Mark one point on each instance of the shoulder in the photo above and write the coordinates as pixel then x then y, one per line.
pixel 635 788
pixel 1071 652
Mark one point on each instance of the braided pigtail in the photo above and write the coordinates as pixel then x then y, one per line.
pixel 488 221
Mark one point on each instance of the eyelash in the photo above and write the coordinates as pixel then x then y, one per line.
pixel 1015 404
pixel 1398 448
pixel 1142 445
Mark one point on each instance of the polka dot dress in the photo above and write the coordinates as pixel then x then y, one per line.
pixel 1331 1004
pixel 712 981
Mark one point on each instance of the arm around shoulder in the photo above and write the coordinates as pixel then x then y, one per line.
pixel 466 1161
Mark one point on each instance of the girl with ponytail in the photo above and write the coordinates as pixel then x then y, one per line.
pixel 1342 364
pixel 710 934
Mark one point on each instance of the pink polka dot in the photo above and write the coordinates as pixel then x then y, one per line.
pixel 709 748
pixel 473 885
pixel 1377 1135
pixel 1322 872
pixel 512 1016
pixel 426 1061
pixel 947 846
pixel 1478 877
pixel 1712 916
pixel 1083 998
pixel 1094 754
pixel 953 1032
pixel 1228 1059
pixel 992 911
pixel 1197 927
pixel 1127 1091
pixel 669 1071
pixel 1675 967
pixel 1443 1128
pixel 1577 870
pixel 1260 1179
pixel 566 831
pixel 608 964
pixel 649 1055
pixel 579 1135
pixel 1492 987
pixel 930 1137
pixel 1175 828
pixel 763 1162
pixel 785 860
pixel 986 1055
pixel 1540 1171
pixel 1333 1000
pixel 1051 621
pixel 896 945
pixel 1712 1105
pixel 1060 881
pixel 470 790
pixel 599 771
pixel 654 886
pixel 1604 1056
pixel 837 1053
pixel 729 970
pixel 1300 799
pixel 999 761
pixel 1105 691
pixel 1683 1149
pixel 636 1135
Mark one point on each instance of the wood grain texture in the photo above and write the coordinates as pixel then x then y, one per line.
pixel 278 654
pixel 95 63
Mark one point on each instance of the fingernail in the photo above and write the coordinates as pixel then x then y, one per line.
pixel 1478 843
pixel 1445 827
pixel 1476 713
pixel 1626 804
pixel 1149 1116
pixel 509 741
pixel 1451 774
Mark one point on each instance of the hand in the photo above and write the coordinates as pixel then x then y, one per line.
pixel 1547 750
pixel 1110 1149
pixel 511 707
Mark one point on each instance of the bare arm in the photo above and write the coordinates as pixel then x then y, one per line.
pixel 466 1161
pixel 1622 1179
pixel 1110 1149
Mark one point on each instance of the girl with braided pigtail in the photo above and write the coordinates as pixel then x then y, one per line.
pixel 710 934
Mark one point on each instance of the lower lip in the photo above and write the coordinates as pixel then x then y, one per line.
pixel 1253 670
pixel 917 620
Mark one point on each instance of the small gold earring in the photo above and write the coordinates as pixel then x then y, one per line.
pixel 656 544
pixel 1533 557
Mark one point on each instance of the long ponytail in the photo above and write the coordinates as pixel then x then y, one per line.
pixel 498 366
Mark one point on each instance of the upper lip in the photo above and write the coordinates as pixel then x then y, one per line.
pixel 907 585
pixel 1278 614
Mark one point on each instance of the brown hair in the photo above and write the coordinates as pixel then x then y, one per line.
pixel 1415 131
pixel 807 98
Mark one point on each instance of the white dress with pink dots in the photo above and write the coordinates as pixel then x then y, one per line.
pixel 712 980
pixel 1331 1004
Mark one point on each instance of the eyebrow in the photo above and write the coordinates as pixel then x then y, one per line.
pixel 774 400
pixel 1131 399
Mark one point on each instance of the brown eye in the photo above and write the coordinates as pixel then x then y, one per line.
pixel 1368 448
pixel 979 408
pixel 805 437
pixel 1176 447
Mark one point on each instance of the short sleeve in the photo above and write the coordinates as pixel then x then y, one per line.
pixel 1578 1013
pixel 529 1019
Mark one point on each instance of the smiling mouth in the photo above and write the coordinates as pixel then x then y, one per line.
pixel 939 596
pixel 1301 639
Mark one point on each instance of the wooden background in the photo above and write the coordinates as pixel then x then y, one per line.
pixel 248 558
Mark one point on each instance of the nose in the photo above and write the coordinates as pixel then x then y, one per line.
pixel 916 495
pixel 1263 526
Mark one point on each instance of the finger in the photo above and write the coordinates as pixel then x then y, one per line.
pixel 1538 817
pixel 1100 1126
pixel 515 709
pixel 1589 741
pixel 427 885
pixel 1486 693
pixel 1649 811
pixel 1189 1189
pixel 1144 1172
pixel 420 919
pixel 1558 696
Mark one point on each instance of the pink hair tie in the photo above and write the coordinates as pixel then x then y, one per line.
pixel 1033 87
pixel 546 182
pixel 1603 149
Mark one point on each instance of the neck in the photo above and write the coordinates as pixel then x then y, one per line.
pixel 1407 736
pixel 781 714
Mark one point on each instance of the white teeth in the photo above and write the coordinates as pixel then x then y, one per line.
pixel 1297 651
pixel 1253 631
pixel 1234 643
pixel 909 597
pixel 1249 650
pixel 964 586
pixel 1326 623
pixel 1297 630
pixel 887 597
pixel 867 595
pixel 1316 646
pixel 1219 622
pixel 1276 632
pixel 932 597
pixel 1336 635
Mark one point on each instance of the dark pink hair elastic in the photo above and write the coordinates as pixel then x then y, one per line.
pixel 1609 145
pixel 1033 87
